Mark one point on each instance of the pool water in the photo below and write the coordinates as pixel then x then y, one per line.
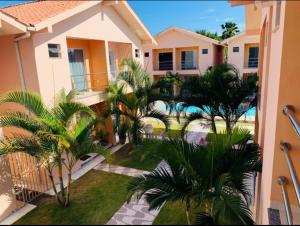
pixel 163 107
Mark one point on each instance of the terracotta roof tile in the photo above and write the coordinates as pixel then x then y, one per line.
pixel 32 13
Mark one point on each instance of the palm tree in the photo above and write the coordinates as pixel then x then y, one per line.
pixel 50 135
pixel 219 92
pixel 138 104
pixel 208 179
pixel 234 94
pixel 229 29
pixel 198 92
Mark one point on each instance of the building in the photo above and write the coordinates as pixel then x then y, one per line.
pixel 243 52
pixel 277 193
pixel 181 51
pixel 47 46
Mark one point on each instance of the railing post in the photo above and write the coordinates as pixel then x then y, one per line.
pixel 289 110
pixel 283 181
pixel 285 147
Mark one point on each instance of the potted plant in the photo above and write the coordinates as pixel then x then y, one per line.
pixel 122 131
pixel 102 137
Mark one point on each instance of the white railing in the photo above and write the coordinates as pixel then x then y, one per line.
pixel 90 82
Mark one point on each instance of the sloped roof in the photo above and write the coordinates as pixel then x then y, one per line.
pixel 39 14
pixel 32 13
pixel 189 33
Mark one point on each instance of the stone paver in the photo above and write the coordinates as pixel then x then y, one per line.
pixel 134 212
pixel 121 170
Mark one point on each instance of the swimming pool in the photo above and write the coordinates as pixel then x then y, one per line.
pixel 162 107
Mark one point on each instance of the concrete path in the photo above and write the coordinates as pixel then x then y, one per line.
pixel 134 212
pixel 121 170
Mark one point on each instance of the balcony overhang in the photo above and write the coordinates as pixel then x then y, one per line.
pixel 240 2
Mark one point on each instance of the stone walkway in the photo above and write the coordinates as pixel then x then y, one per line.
pixel 120 170
pixel 134 212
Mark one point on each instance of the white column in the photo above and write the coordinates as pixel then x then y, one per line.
pixel 107 60
pixel 174 60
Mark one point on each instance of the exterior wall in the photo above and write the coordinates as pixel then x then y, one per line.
pixel 7 199
pixel 97 30
pixel 175 40
pixel 279 81
pixel 238 58
pixel 96 23
pixel 253 19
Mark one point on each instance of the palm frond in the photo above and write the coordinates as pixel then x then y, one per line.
pixel 160 116
pixel 29 100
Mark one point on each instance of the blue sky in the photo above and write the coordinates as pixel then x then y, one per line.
pixel 158 15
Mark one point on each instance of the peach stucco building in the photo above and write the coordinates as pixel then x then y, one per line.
pixel 278 25
pixel 243 52
pixel 181 51
pixel 46 46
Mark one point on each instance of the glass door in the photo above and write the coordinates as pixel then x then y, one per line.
pixel 77 67
pixel 112 64
pixel 253 57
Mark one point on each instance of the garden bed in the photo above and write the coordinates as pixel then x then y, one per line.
pixel 95 198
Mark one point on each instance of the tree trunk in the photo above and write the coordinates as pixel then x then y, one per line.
pixel 213 125
pixel 61 182
pixel 228 126
pixel 67 203
pixel 54 189
pixel 188 211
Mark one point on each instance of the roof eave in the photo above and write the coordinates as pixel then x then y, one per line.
pixel 62 16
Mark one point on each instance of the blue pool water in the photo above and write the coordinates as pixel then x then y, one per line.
pixel 163 107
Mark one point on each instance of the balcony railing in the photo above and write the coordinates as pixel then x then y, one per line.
pixel 253 62
pixel 164 66
pixel 186 65
pixel 283 182
pixel 289 111
pixel 90 82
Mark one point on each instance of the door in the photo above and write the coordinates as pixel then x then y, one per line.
pixel 166 61
pixel 77 67
pixel 112 64
pixel 253 57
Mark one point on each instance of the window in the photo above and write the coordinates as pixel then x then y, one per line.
pixel 137 53
pixel 188 60
pixel 278 14
pixel 204 51
pixel 253 57
pixel 54 50
pixel 236 49
pixel 146 54
pixel 165 61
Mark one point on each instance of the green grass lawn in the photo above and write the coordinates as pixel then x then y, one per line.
pixel 95 198
pixel 142 157
pixel 171 214
pixel 175 127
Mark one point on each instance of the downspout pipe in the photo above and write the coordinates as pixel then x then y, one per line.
pixel 19 58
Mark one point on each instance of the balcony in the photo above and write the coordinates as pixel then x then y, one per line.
pixel 93 64
pixel 253 62
pixel 188 58
pixel 90 86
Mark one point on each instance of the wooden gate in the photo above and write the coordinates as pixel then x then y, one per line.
pixel 29 178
